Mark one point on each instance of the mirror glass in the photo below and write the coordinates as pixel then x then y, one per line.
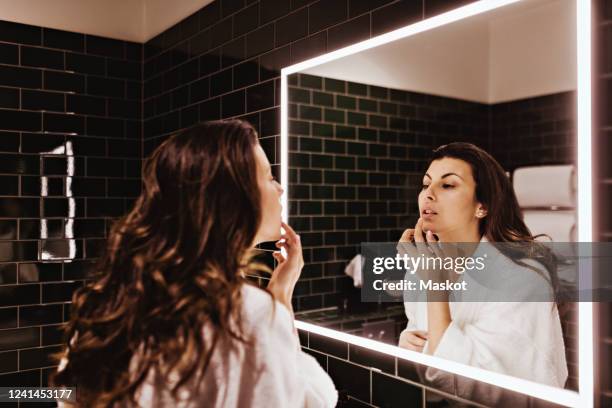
pixel 362 133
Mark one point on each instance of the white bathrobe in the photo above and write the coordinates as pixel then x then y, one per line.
pixel 274 372
pixel 521 339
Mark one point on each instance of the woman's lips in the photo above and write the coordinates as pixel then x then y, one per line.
pixel 428 214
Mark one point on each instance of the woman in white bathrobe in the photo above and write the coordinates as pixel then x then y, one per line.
pixel 171 321
pixel 467 198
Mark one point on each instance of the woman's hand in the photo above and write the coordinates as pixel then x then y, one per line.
pixel 418 243
pixel 287 272
pixel 413 340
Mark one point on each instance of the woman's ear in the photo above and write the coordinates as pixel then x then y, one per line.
pixel 481 211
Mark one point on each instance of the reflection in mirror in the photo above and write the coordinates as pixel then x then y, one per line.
pixel 362 132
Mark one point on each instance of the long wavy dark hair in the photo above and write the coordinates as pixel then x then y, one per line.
pixel 173 268
pixel 504 221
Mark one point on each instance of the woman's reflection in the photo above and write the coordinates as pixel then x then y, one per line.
pixel 466 197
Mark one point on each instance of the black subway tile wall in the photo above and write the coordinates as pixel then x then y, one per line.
pixel 539 130
pixel 70 158
pixel 357 154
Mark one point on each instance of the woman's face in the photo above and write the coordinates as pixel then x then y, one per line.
pixel 447 201
pixel 270 191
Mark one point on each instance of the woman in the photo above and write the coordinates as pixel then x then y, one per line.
pixel 171 320
pixel 467 198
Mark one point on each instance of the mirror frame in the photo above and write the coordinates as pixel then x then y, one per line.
pixel 584 398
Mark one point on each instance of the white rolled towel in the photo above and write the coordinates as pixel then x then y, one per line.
pixel 545 186
pixel 559 225
pixel 353 269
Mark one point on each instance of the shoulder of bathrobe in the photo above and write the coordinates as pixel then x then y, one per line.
pixel 261 311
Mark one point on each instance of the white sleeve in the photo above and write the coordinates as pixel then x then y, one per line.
pixel 288 377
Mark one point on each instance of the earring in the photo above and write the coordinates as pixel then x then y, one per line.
pixel 480 214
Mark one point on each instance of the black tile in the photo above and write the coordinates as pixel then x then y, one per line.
pixel 326 344
pixel 62 81
pixel 272 9
pixel 55 207
pixel 121 108
pixel 246 74
pixel 12 295
pixel 98 167
pixel 371 358
pixel 105 127
pixel 40 272
pixel 20 33
pixel 104 207
pixel 233 104
pixel 433 7
pixel 52 334
pixel 20 338
pixel 9 54
pixel 56 122
pixel 270 122
pixel 233 52
pixel 9 98
pixel 322 99
pixel 133 90
pixel 246 20
pixel 20 77
pixel 350 378
pixel 396 15
pixel 198 44
pixel 41 57
pixel 272 62
pixel 85 64
pixel 20 120
pixel 59 292
pixel 292 27
pixel 221 82
pixel 124 188
pixel 9 185
pixel 199 90
pixel 230 6
pixel 309 47
pixel 260 96
pixel 88 187
pixel 36 100
pixel 209 14
pixel 123 69
pixel 311 81
pixel 40 314
pixel 345 102
pixel 221 32
pixel 38 142
pixel 8 316
pixel 260 40
pixel 210 110
pixel 9 229
pixel 124 148
pixel 105 46
pixel 37 357
pixel 99 86
pixel 133 51
pixel 391 392
pixel 29 378
pixel 325 13
pixel 348 33
pixel 63 39
pixel 86 104
pixel 357 7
